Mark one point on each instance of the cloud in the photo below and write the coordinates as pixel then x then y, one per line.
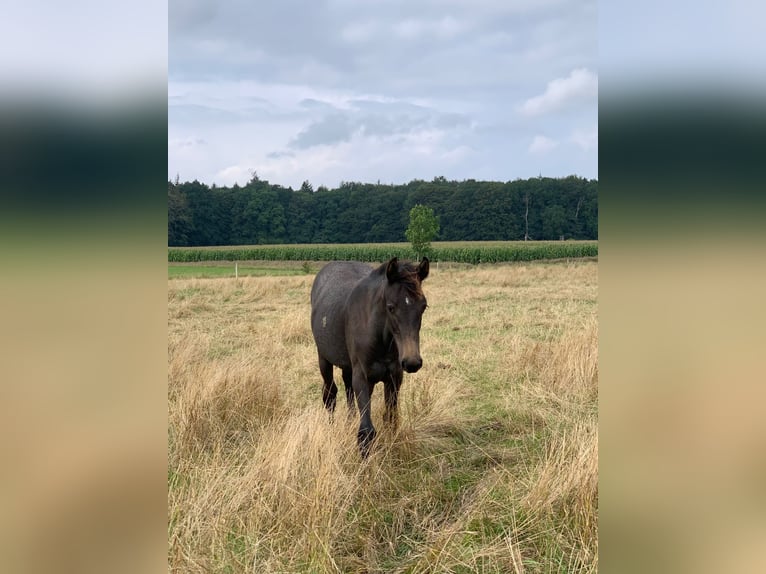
pixel 372 119
pixel 191 16
pixel 446 27
pixel 314 104
pixel 195 113
pixel 585 139
pixel 345 90
pixel 186 142
pixel 280 153
pixel 331 129
pixel 234 174
pixel 542 145
pixel 359 32
pixel 581 84
pixel 400 158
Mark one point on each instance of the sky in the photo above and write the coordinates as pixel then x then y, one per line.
pixel 381 90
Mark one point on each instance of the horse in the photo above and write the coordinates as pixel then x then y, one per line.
pixel 366 321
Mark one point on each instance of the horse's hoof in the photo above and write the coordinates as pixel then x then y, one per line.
pixel 365 439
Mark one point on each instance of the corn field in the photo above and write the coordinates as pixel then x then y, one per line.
pixel 458 253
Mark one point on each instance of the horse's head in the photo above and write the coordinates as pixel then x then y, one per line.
pixel 405 304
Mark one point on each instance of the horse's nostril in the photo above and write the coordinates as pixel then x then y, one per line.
pixel 412 366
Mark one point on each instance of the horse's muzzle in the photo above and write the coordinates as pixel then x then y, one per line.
pixel 412 365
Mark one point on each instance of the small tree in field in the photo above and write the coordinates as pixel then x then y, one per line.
pixel 422 229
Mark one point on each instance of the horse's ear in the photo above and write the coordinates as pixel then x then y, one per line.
pixel 423 268
pixel 392 270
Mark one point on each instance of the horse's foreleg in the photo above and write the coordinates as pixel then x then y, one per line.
pixel 348 383
pixel 329 389
pixel 363 392
pixel 391 386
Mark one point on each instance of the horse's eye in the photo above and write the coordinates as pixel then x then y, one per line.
pixel 390 307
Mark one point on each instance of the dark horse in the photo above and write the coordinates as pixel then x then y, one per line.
pixel 367 322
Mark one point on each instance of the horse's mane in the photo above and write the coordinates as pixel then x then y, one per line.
pixel 407 275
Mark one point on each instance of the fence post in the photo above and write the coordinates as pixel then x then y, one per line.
pixel 236 271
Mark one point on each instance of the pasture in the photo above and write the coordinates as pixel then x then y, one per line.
pixel 494 466
pixel 244 269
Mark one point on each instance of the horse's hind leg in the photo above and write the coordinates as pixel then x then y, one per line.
pixel 347 382
pixel 329 389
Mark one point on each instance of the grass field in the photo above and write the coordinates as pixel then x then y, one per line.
pixel 227 269
pixel 494 466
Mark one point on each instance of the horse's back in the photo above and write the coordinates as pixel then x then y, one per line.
pixel 329 295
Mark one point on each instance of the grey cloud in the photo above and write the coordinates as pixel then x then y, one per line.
pixel 397 117
pixel 447 121
pixel 189 15
pixel 374 119
pixel 194 113
pixel 438 46
pixel 240 39
pixel 314 104
pixel 331 129
pixel 378 73
pixel 201 113
pixel 187 142
pixel 387 106
pixel 279 154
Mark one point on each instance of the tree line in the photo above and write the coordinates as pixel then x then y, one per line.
pixel 538 208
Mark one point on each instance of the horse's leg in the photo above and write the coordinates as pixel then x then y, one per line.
pixel 391 385
pixel 348 383
pixel 329 389
pixel 363 392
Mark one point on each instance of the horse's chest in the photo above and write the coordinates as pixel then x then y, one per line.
pixel 378 369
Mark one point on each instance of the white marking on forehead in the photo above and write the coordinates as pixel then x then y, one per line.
pixel 407 300
pixel 324 321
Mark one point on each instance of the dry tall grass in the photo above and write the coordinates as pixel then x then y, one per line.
pixel 493 467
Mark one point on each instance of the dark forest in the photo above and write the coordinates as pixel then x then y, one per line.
pixel 263 213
